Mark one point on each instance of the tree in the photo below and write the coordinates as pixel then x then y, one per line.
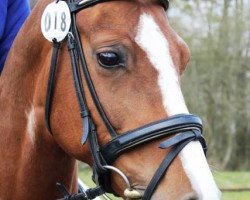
pixel 217 80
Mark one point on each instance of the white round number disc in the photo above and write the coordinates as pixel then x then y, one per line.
pixel 56 20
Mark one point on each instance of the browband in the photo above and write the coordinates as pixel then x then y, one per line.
pixel 79 5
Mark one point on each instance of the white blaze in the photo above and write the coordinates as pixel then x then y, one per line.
pixel 151 39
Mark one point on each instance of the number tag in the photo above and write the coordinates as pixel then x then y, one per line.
pixel 56 21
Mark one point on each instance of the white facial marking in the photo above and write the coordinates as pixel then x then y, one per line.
pixel 31 125
pixel 198 172
pixel 150 38
pixel 152 41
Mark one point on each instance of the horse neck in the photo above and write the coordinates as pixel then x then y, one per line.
pixel 22 83
pixel 24 67
pixel 26 146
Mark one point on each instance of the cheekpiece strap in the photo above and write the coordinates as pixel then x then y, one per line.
pixel 51 83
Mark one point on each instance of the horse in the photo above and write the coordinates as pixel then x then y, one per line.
pixel 130 104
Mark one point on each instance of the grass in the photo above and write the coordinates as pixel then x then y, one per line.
pixel 223 179
pixel 232 179
pixel 227 180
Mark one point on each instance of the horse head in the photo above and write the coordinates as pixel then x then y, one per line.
pixel 135 61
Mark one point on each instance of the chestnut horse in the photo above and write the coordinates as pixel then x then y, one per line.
pixel 135 60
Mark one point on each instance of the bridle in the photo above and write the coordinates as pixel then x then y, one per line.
pixel 183 128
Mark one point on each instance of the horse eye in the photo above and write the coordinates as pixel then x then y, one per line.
pixel 109 60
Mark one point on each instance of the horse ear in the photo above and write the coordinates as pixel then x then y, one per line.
pixel 185 56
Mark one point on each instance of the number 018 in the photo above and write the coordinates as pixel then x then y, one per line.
pixel 47 22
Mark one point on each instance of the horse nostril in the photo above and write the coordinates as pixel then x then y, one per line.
pixel 191 196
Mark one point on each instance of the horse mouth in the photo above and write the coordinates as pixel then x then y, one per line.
pixel 136 192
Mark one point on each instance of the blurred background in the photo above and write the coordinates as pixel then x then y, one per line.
pixel 217 81
pixel 216 84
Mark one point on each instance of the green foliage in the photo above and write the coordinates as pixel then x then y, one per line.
pixel 216 83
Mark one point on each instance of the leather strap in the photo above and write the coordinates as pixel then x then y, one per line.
pixel 76 6
pixel 178 142
pixel 89 82
pixel 51 82
pixel 184 136
pixel 91 193
pixel 165 4
pixel 163 128
pixel 80 5
pixel 101 176
pixel 162 169
pixel 85 115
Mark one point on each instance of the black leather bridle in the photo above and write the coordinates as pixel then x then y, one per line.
pixel 183 128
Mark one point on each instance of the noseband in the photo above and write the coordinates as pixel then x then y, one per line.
pixel 183 128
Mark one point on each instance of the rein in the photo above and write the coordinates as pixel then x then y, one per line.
pixel 183 128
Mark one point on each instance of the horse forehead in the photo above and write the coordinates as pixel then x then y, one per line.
pixel 110 11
